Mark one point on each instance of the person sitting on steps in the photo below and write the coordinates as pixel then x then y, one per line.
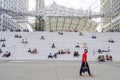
pixel 50 56
pixel 77 46
pixel 53 45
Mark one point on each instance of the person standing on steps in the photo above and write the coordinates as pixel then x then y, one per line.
pixel 84 63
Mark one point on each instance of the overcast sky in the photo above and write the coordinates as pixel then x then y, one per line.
pixel 76 4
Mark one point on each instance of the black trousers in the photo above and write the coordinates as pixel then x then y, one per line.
pixel 82 65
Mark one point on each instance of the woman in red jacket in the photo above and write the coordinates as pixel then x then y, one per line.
pixel 84 63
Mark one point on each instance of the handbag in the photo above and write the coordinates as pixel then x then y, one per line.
pixel 85 68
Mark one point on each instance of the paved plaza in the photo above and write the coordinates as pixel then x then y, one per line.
pixel 57 70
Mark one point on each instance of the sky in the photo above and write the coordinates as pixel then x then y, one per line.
pixel 76 4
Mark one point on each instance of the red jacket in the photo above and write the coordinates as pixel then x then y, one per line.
pixel 84 57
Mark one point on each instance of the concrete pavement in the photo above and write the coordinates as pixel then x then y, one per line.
pixel 57 70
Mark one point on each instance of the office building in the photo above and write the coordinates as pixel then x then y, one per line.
pixel 111 7
pixel 8 21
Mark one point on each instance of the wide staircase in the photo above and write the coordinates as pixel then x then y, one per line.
pixel 68 40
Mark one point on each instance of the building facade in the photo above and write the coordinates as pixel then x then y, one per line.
pixel 111 23
pixel 7 21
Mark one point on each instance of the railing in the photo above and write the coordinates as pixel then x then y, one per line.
pixel 56 13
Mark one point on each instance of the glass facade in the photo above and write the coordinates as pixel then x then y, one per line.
pixel 7 21
pixel 112 22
